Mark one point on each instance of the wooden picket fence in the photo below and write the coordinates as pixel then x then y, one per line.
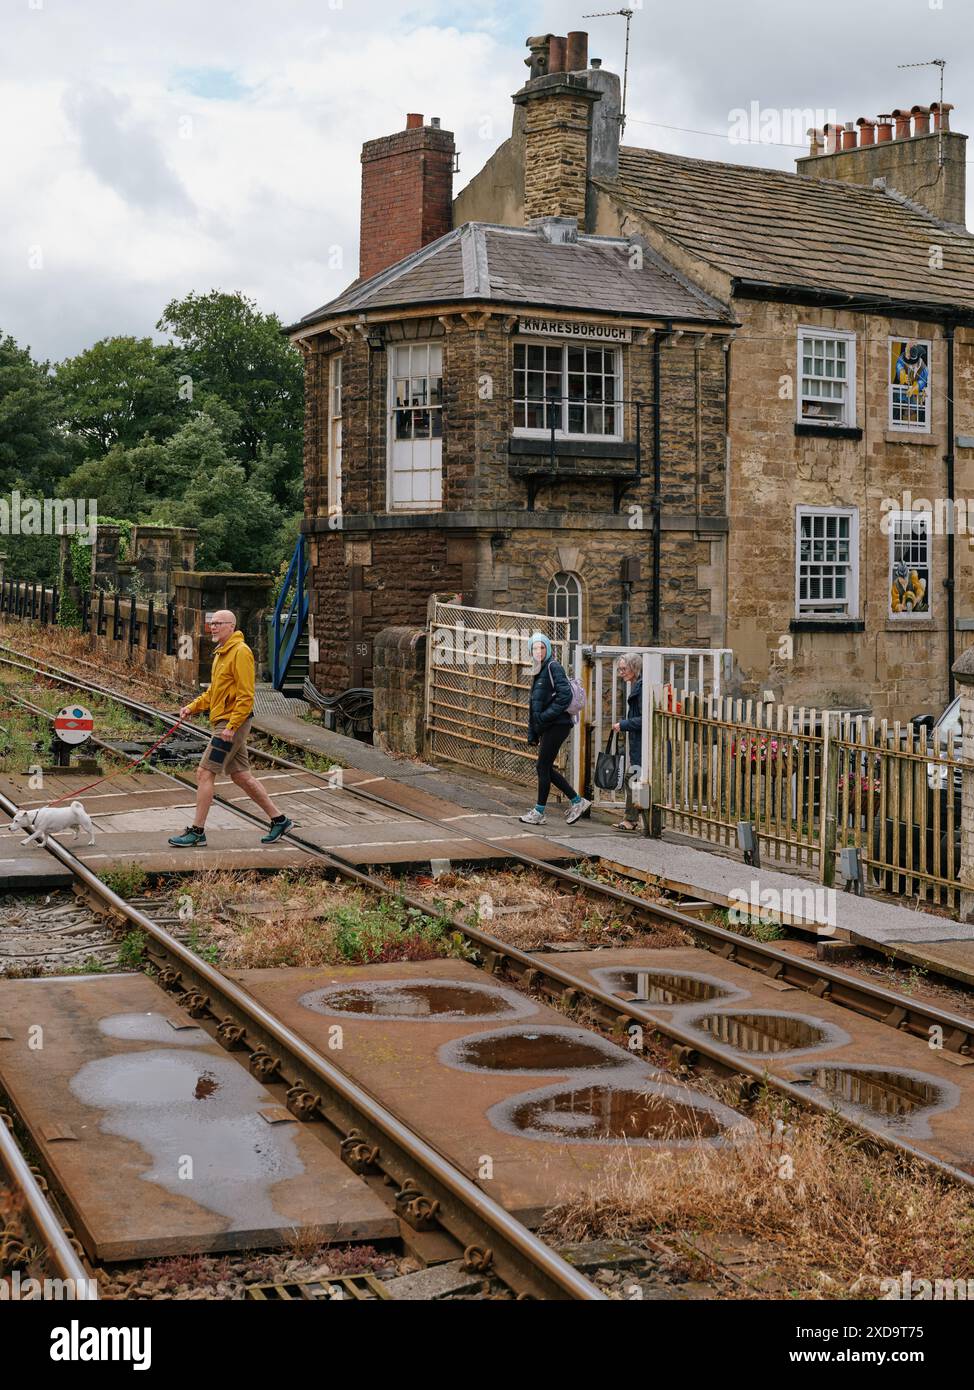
pixel 811 782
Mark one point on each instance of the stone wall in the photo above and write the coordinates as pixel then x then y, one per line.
pixel 399 690
pixel 372 568
pixel 896 668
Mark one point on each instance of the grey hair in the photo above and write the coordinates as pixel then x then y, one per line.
pixel 632 661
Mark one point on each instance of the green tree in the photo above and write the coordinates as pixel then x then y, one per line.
pixel 239 354
pixel 33 452
pixel 240 525
pixel 122 390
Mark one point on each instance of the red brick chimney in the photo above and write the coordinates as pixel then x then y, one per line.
pixel 407 193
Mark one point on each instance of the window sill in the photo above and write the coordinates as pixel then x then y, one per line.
pixel 806 429
pixel 579 446
pixel 921 437
pixel 918 624
pixel 827 625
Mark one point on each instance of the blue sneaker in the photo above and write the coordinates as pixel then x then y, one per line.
pixel 277 829
pixel 189 839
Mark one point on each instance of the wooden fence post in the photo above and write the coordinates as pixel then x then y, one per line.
pixel 964 676
pixel 829 793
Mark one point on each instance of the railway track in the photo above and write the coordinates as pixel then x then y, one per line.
pixel 428 1189
pixel 690 1052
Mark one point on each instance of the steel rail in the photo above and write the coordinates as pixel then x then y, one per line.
pixel 468 1213
pixel 58 1244
pixel 870 1000
pixel 689 1046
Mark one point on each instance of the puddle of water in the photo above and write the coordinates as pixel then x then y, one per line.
pixel 624 1111
pixel 659 987
pixel 153 1098
pixel 764 1033
pixel 601 1112
pixel 891 1095
pixel 418 1000
pixel 151 1028
pixel 533 1050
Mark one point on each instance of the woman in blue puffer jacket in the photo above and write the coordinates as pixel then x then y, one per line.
pixel 549 724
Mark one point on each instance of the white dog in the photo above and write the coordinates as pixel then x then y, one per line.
pixel 50 820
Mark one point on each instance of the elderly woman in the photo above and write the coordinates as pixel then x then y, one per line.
pixel 630 668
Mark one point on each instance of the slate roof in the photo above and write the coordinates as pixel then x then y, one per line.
pixel 783 229
pixel 483 263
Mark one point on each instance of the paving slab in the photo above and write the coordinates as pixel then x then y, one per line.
pixel 163 1141
pixel 529 1107
pixel 894 1082
pixel 135 814
pixel 867 920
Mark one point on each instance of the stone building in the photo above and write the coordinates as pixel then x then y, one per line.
pixel 485 416
pixel 827 325
pixel 851 379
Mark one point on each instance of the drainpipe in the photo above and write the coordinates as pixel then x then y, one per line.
pixel 949 461
pixel 654 617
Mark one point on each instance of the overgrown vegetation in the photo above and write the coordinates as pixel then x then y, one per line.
pixel 832 1217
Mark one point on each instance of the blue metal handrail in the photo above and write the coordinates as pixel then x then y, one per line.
pixel 290 615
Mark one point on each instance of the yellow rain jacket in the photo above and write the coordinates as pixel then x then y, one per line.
pixel 229 697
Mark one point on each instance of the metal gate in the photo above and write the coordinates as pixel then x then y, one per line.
pixel 478 677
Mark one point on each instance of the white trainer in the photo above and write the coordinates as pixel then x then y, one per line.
pixel 533 817
pixel 579 809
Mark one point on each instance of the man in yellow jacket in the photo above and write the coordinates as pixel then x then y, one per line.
pixel 229 700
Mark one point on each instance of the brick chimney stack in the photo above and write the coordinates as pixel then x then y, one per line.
pixel 407 193
pixel 919 157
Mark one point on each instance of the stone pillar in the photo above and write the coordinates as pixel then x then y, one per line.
pixel 399 690
pixel 964 676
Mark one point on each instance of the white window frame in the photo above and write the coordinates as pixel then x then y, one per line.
pixel 852 595
pixel 850 410
pixel 523 432
pixel 580 592
pixel 416 506
pixel 898 426
pixel 335 369
pixel 899 516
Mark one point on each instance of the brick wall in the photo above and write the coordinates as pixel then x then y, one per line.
pixel 407 195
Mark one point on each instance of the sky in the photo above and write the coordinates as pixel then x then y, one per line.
pixel 149 148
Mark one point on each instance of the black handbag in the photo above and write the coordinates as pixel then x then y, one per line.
pixel 610 767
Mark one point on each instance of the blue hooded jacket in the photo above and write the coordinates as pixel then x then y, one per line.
pixel 551 694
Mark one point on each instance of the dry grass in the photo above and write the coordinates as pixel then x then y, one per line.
pixel 249 922
pixel 550 911
pixel 64 645
pixel 842 1221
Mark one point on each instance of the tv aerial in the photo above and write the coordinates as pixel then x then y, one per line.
pixel 627 16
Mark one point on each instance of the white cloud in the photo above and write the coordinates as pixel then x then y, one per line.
pixel 153 149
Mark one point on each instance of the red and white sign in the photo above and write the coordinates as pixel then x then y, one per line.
pixel 73 724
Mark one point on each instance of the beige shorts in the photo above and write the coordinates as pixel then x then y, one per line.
pixel 220 759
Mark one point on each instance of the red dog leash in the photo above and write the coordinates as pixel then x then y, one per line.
pixel 147 754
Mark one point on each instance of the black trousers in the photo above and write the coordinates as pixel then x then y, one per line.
pixel 548 746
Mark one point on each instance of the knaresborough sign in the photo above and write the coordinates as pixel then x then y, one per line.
pixel 565 328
